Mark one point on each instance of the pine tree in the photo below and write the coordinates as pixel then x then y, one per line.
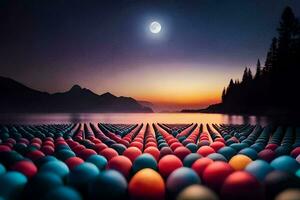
pixel 258 70
pixel 223 95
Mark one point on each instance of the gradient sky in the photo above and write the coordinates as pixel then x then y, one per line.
pixel 51 45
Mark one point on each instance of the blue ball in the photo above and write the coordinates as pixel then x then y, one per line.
pixel 217 157
pixel 64 154
pixel 45 159
pixel 12 184
pixel 227 152
pixel 108 185
pixel 259 169
pixel 40 184
pixel 189 160
pixel 63 193
pixel 98 160
pixel 2 169
pixel 192 147
pixel 83 174
pixel 57 167
pixel 251 153
pixel 144 161
pixel 180 179
pixel 285 163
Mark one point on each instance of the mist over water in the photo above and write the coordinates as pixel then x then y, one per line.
pixel 132 118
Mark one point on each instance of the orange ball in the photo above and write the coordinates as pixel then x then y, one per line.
pixel 147 184
pixel 239 162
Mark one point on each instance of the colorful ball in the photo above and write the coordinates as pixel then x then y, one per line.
pixel 40 184
pixel 63 193
pixel 12 185
pixel 57 167
pixel 285 163
pixel 197 192
pixel 189 160
pixel 147 184
pixel 132 153
pixel 217 157
pixel 227 152
pixel 108 153
pixel 277 181
pixel 181 152
pixel 144 161
pixel 217 145
pixel 108 185
pixel 192 147
pixel 289 194
pixel 26 167
pixel 180 179
pixel 168 164
pixel 205 151
pixel 259 169
pixel 153 151
pixel 121 164
pixel 267 155
pixel 241 185
pixel 98 160
pixel 251 153
pixel 73 162
pixel 239 162
pixel 215 174
pixel 200 165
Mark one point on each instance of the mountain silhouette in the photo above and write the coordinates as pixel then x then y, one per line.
pixel 18 98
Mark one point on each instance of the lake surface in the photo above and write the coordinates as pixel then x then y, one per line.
pixel 131 118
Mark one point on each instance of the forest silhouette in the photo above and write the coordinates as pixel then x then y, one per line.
pixel 274 88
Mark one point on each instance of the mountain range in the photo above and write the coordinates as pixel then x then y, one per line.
pixel 18 98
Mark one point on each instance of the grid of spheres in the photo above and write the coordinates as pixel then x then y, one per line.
pixel 149 161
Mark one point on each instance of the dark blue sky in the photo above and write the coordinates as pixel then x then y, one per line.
pixel 53 44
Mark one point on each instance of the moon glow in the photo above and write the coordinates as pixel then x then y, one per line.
pixel 155 27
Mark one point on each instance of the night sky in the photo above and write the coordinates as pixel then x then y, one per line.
pixel 51 45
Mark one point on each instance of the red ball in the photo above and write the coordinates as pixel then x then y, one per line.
pixel 175 145
pixel 139 145
pixel 200 165
pixel 217 145
pixel 271 146
pixel 26 167
pixel 181 152
pixel 99 147
pixel 120 163
pixel 205 150
pixel 153 151
pixel 132 153
pixel 168 164
pixel 295 152
pixel 165 151
pixel 35 155
pixel 109 153
pixel 242 185
pixel 85 153
pixel 48 150
pixel 215 174
pixel 4 148
pixel 73 162
pixel 267 155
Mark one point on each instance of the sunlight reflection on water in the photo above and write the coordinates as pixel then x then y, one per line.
pixel 130 118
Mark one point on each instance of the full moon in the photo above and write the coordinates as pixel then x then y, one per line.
pixel 155 27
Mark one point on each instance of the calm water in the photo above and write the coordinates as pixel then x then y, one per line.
pixel 127 118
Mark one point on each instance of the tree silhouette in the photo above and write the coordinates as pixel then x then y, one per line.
pixel 269 91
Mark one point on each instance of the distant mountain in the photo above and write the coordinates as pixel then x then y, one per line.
pixel 18 98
